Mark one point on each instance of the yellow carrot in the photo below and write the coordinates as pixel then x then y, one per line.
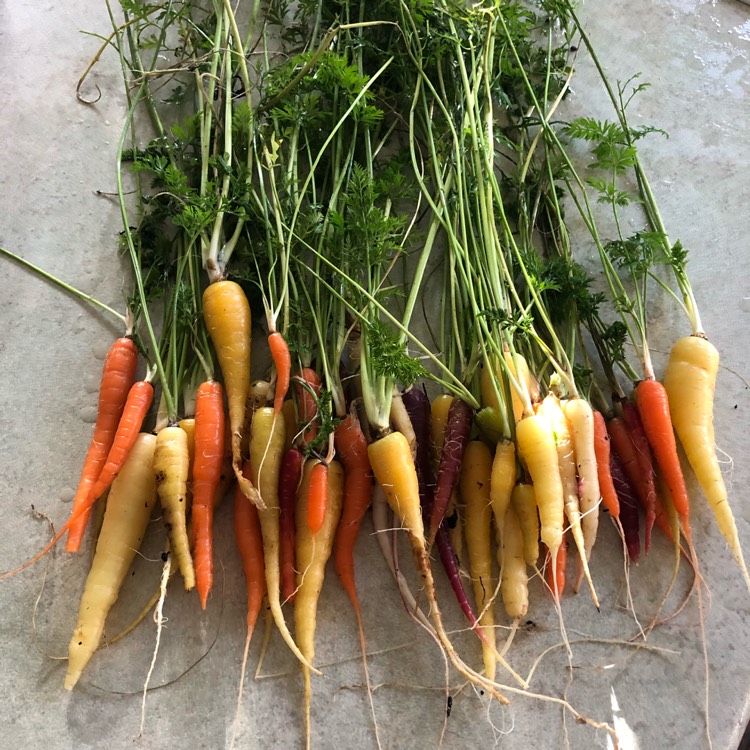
pixel 514 587
pixel 312 553
pixel 131 500
pixel 393 467
pixel 476 471
pixel 266 454
pixel 187 425
pixel 226 312
pixel 566 461
pixel 440 407
pixel 523 501
pixel 503 479
pixel 690 381
pixel 581 420
pixel 171 461
pixel 535 442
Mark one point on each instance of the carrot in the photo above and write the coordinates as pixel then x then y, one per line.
pixel 503 479
pixel 628 505
pixel 249 542
pixel 308 390
pixel 317 496
pixel 282 361
pixel 602 449
pixel 690 380
pixel 645 464
pixel 514 586
pixel 250 546
pixel 622 444
pixel 266 455
pixel 171 461
pixel 439 411
pixel 556 565
pixel 420 414
pixel 400 420
pixel 523 501
pixel 536 447
pixel 440 407
pixel 187 425
pixel 117 377
pixel 351 448
pixel 126 517
pixel 313 551
pixel 653 408
pixel 137 404
pixel 209 457
pixel 566 461
pixel 289 478
pixel 475 491
pixel 288 412
pixel 457 430
pixel 393 466
pixel 226 313
pixel 580 417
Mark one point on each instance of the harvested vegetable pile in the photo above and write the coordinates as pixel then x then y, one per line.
pixel 389 196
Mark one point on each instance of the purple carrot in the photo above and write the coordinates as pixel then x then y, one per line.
pixel 418 408
pixel 457 431
pixel 628 506
pixel 645 464
pixel 289 476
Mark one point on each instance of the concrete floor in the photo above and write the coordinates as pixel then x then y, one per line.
pixel 57 153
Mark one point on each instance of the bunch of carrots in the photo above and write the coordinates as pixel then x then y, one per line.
pixel 304 188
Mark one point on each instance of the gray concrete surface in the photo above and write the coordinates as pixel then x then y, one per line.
pixel 56 153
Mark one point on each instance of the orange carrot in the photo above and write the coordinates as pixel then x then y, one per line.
pixel 308 390
pixel 249 541
pixel 117 377
pixel 207 465
pixel 555 574
pixel 250 545
pixel 653 408
pixel 282 361
pixel 317 496
pixel 602 450
pixel 289 479
pixel 136 407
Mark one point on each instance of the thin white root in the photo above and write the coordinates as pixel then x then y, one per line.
pixel 159 620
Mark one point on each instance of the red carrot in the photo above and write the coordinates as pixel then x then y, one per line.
pixel 653 407
pixel 351 447
pixel 207 466
pixel 117 377
pixel 420 413
pixel 457 432
pixel 308 390
pixel 289 478
pixel 628 506
pixel 645 464
pixel 282 361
